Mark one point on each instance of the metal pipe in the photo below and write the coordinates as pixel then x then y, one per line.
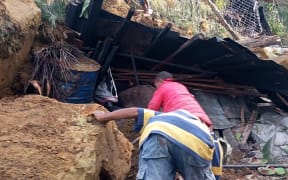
pixel 253 165
pixel 135 70
pixel 123 25
pixel 161 34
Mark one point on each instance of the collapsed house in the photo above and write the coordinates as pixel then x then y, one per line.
pixel 240 92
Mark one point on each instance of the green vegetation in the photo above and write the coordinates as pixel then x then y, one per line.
pixel 189 14
pixel 267 150
pixel 52 13
pixel 221 4
pixel 277 17
pixel 186 14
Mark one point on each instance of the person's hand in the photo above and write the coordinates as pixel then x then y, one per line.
pixel 95 116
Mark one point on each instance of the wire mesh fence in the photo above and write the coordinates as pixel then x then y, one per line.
pixel 243 16
pixel 248 18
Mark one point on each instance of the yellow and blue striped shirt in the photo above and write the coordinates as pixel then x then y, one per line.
pixel 217 160
pixel 181 128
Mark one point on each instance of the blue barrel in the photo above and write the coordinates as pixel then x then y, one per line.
pixel 81 86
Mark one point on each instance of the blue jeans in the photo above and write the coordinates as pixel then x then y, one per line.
pixel 159 159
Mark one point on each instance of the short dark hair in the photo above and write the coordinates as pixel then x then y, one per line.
pixel 163 75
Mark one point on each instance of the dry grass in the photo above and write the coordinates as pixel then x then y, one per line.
pixel 190 15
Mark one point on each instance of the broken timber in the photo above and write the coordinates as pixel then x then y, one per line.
pixel 261 42
pixel 248 128
pixel 167 63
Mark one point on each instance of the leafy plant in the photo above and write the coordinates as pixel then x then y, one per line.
pixel 267 150
pixel 184 14
pixel 277 17
pixel 221 4
pixel 52 12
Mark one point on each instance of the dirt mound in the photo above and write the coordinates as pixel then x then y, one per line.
pixel 41 138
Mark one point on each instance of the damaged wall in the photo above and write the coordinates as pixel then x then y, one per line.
pixel 19 23
pixel 41 138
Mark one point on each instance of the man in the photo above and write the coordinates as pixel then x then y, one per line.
pixel 171 96
pixel 169 141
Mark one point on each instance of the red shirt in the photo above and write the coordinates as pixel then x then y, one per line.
pixel 172 96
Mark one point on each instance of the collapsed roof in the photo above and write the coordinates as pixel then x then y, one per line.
pixel 152 49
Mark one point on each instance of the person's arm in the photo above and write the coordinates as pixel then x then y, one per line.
pixel 116 115
pixel 156 101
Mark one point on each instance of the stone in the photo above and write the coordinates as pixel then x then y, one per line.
pixel 137 96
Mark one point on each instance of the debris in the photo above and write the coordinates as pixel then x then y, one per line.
pixel 52 62
pixel 256 43
pixel 135 140
pixel 268 171
pixel 249 126
pixel 63 72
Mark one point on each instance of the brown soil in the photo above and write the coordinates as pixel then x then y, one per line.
pixel 41 138
pixel 121 9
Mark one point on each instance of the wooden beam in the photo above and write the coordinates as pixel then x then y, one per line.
pixel 249 126
pixel 175 53
pixel 261 42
